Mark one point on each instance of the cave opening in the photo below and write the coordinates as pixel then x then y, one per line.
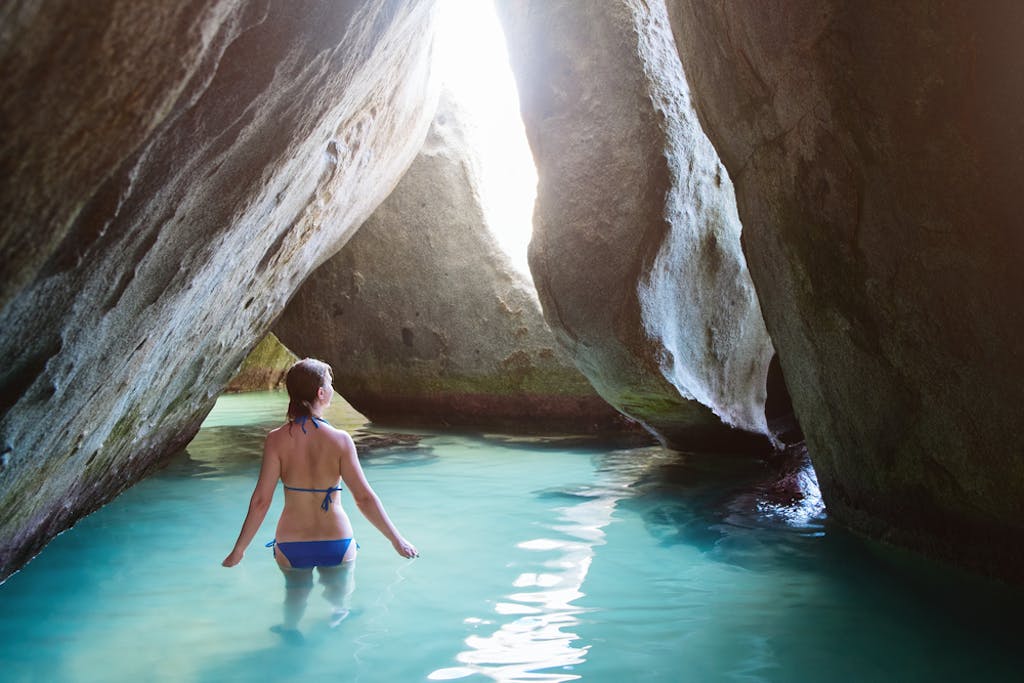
pixel 473 65
pixel 778 407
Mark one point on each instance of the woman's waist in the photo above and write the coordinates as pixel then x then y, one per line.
pixel 308 525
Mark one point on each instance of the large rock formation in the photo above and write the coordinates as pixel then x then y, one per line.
pixel 171 174
pixel 636 248
pixel 426 321
pixel 876 151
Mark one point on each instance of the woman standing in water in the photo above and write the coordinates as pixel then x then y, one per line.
pixel 312 459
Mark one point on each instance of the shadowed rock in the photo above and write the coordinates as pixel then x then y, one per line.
pixel 426 321
pixel 171 173
pixel 636 253
pixel 876 151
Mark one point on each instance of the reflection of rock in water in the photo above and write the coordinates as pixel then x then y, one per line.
pixel 221 451
pixel 376 441
pixel 600 441
pixel 741 510
pixel 392 448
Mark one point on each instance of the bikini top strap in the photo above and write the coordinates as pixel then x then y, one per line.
pixel 326 503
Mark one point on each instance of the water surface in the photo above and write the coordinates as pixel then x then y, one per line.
pixel 542 560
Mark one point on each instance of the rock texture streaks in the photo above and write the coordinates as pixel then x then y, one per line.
pixel 876 151
pixel 171 174
pixel 636 253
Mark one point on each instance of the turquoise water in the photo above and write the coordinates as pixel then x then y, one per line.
pixel 541 561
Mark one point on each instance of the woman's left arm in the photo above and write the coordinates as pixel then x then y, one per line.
pixel 270 472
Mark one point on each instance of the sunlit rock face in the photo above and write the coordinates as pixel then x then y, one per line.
pixel 876 151
pixel 264 368
pixel 636 249
pixel 172 172
pixel 425 319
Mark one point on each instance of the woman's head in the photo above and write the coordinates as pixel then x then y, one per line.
pixel 304 380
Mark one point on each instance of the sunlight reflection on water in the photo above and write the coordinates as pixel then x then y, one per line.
pixel 540 645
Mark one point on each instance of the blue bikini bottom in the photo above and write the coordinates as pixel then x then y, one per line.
pixel 306 554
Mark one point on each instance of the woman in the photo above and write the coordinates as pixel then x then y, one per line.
pixel 312 459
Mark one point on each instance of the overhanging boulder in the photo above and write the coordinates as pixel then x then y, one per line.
pixel 171 174
pixel 636 248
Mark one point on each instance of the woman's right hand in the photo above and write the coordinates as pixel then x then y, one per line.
pixel 404 548
pixel 233 558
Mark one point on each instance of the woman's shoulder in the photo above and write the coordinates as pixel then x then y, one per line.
pixel 279 433
pixel 339 436
pixel 284 432
pixel 338 433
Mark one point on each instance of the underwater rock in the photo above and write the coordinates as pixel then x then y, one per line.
pixel 876 152
pixel 172 172
pixel 425 319
pixel 636 247
pixel 264 368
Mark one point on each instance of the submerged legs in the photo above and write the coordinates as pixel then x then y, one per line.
pixel 338 583
pixel 298 583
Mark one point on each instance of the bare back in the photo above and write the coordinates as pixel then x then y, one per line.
pixel 311 460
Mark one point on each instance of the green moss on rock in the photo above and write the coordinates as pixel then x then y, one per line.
pixel 264 368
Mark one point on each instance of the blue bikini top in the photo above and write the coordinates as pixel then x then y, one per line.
pixel 326 504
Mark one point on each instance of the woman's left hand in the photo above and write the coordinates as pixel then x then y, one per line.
pixel 404 548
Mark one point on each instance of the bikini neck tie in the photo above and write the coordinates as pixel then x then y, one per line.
pixel 301 421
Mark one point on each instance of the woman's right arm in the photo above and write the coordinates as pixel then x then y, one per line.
pixel 259 503
pixel 366 500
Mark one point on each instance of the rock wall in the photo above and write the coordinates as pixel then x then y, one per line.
pixel 636 248
pixel 171 174
pixel 876 151
pixel 264 368
pixel 426 321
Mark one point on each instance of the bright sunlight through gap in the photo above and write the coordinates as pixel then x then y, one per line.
pixel 473 64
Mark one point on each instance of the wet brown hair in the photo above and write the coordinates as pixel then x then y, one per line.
pixel 302 380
